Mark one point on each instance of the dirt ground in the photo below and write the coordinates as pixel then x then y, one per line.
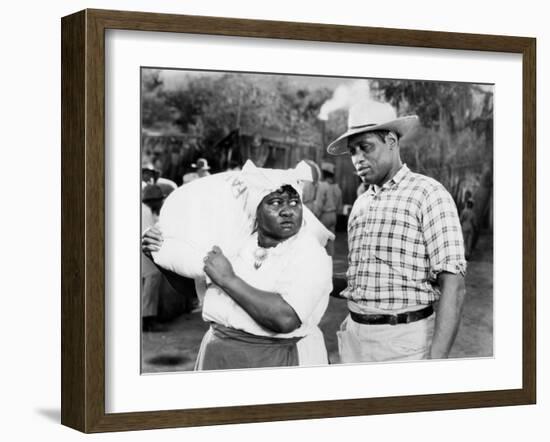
pixel 175 348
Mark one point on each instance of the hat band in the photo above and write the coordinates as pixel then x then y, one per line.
pixel 363 125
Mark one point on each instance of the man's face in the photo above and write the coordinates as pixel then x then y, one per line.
pixel 372 158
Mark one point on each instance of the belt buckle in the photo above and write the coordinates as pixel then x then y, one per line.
pixel 394 319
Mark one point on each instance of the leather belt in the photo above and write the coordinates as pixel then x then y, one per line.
pixel 399 318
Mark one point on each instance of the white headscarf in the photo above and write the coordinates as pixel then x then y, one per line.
pixel 252 184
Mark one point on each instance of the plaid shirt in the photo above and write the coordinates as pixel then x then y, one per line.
pixel 401 236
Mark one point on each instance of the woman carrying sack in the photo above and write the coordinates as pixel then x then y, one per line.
pixel 265 300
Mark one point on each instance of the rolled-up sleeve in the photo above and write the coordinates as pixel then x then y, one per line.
pixel 442 233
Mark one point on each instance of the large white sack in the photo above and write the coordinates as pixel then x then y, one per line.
pixel 197 216
pixel 218 210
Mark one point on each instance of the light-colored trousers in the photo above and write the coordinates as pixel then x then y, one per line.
pixel 376 343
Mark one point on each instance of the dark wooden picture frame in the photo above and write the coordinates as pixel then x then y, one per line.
pixel 83 220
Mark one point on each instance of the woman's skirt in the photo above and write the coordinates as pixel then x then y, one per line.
pixel 224 348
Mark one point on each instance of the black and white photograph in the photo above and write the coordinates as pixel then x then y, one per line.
pixel 292 220
pixel 275 221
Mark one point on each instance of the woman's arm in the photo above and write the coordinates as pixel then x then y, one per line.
pixel 268 309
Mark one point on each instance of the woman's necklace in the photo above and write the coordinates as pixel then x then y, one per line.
pixel 260 254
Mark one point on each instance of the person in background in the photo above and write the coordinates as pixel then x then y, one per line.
pixel 310 187
pixel 155 286
pixel 468 223
pixel 152 278
pixel 328 201
pixel 406 252
pixel 203 169
pixel 200 170
pixel 151 175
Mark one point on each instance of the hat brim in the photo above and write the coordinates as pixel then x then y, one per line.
pixel 401 126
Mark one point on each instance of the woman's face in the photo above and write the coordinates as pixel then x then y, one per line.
pixel 279 215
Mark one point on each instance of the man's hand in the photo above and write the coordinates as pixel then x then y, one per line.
pixel 218 267
pixel 151 241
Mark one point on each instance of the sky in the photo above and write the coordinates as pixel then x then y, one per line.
pixel 347 92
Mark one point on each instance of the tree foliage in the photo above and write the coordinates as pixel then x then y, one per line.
pixel 209 107
pixel 456 121
pixel 153 109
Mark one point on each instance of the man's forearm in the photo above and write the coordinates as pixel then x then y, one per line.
pixel 449 311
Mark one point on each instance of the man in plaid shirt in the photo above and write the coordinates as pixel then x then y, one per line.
pixel 405 249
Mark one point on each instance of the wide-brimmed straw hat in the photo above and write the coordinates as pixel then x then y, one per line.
pixel 201 164
pixel 370 116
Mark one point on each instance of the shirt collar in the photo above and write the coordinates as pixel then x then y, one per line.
pixel 395 180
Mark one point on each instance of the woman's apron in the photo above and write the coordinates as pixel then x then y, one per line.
pixel 224 348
